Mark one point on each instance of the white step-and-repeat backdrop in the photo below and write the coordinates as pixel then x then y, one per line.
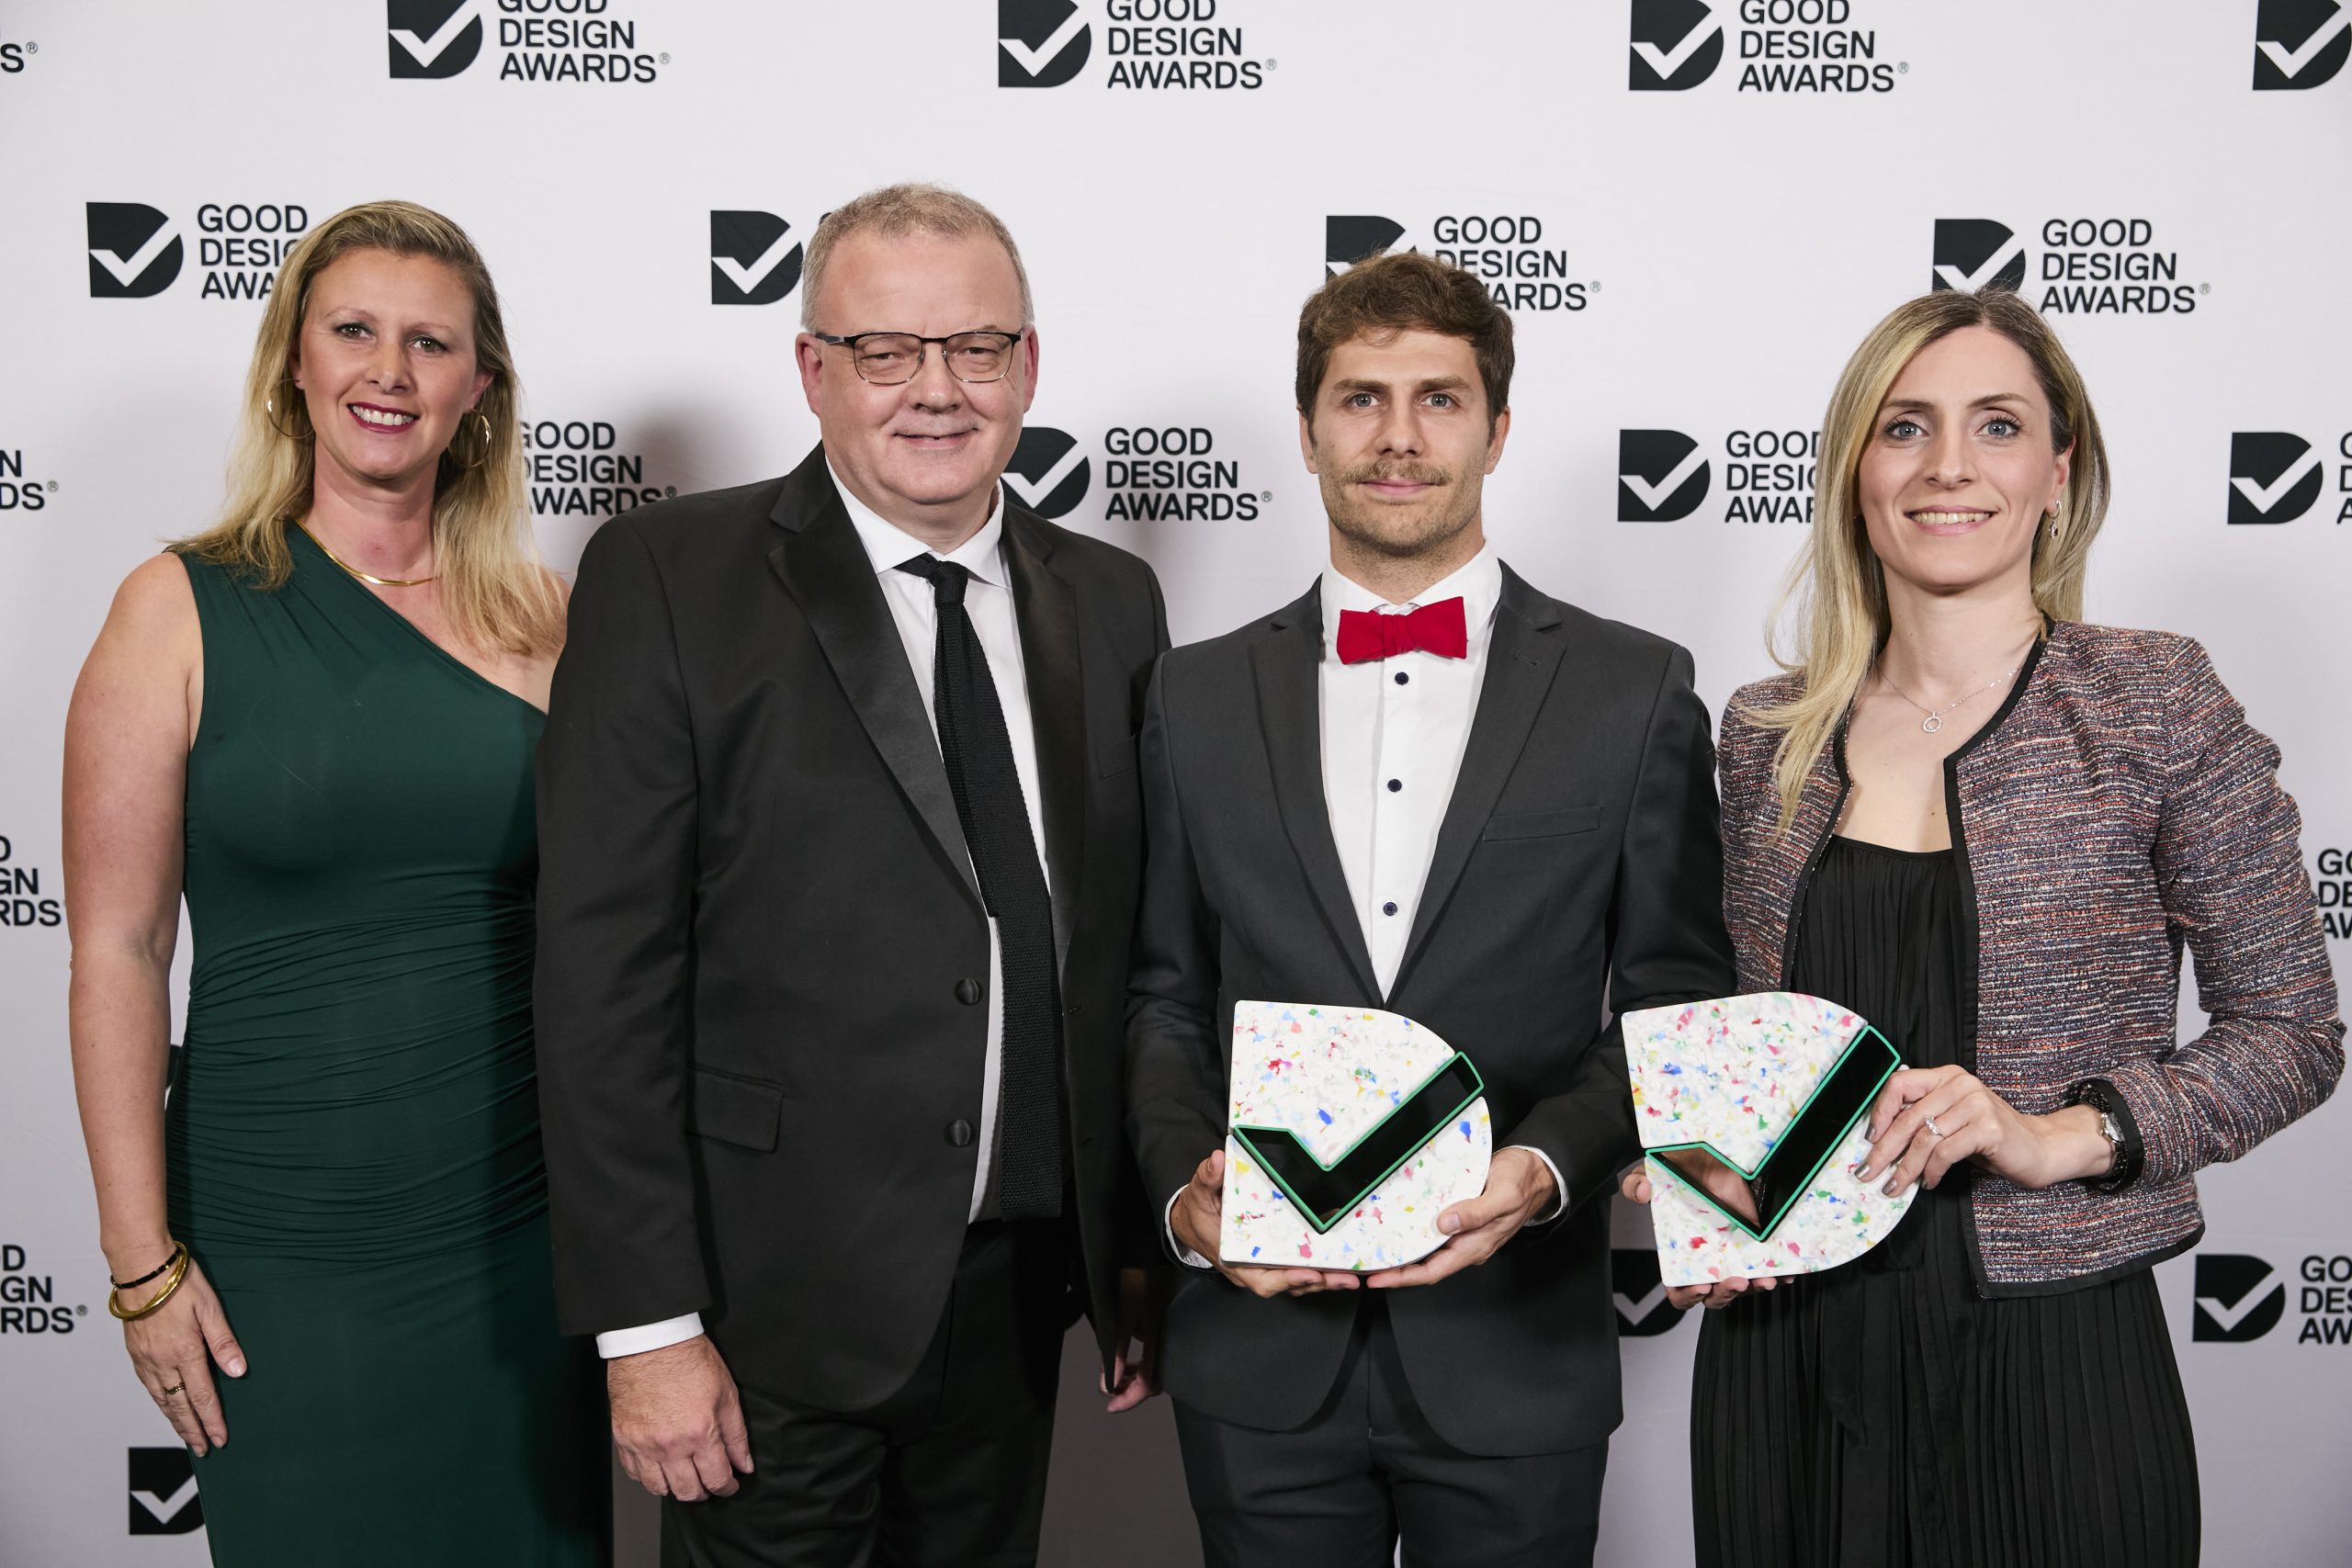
pixel 1694 209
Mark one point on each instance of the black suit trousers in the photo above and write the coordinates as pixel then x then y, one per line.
pixel 1368 1471
pixel 947 1472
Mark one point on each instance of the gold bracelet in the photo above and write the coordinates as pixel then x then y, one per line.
pixel 171 1283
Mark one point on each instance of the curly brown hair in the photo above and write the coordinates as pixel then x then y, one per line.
pixel 1383 296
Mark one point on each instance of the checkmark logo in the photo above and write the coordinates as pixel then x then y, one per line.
pixel 1677 44
pixel 1976 253
pixel 2275 477
pixel 1349 239
pixel 1049 471
pixel 1326 1193
pixel 164 1499
pixel 1040 43
pixel 1830 1113
pixel 2238 1298
pixel 2325 30
pixel 133 252
pixel 754 260
pixel 1641 1309
pixel 1662 476
pixel 432 39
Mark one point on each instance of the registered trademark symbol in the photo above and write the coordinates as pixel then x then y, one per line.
pixel 1265 495
pixel 35 49
pixel 1595 285
pixel 81 1311
pixel 1902 67
pixel 665 56
pixel 670 490
pixel 1270 64
pixel 2201 288
pixel 52 487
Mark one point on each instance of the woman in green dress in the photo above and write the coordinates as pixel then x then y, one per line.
pixel 316 722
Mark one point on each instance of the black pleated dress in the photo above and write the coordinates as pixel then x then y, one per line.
pixel 1885 1415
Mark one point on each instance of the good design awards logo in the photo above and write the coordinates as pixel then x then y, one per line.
pixel 134 253
pixel 2300 44
pixel 754 260
pixel 2274 476
pixel 1677 44
pixel 430 39
pixel 1040 43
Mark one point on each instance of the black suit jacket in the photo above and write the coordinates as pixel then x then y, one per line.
pixel 1577 861
pixel 762 957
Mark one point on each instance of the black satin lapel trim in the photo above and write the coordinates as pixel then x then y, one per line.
pixel 826 570
pixel 1046 608
pixel 1290 714
pixel 1521 664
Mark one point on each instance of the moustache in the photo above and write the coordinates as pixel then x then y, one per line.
pixel 1391 473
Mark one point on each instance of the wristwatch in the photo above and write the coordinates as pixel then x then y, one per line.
pixel 2116 1125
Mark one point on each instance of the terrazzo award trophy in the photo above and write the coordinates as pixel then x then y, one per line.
pixel 1350 1130
pixel 1778 1087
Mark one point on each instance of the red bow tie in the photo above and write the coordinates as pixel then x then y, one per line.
pixel 1437 628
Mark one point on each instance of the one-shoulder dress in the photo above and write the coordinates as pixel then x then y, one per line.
pixel 353 1130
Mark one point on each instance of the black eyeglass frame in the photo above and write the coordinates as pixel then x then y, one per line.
pixel 1011 341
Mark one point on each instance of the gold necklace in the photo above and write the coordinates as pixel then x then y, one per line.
pixel 362 575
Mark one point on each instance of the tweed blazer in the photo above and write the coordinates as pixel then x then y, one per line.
pixel 2117 806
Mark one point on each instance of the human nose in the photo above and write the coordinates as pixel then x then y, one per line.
pixel 1400 431
pixel 935 385
pixel 1950 461
pixel 387 366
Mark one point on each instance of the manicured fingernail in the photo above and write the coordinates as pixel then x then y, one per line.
pixel 234 1366
pixel 1449 1223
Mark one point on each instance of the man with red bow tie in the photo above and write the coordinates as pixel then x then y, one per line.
pixel 1426 787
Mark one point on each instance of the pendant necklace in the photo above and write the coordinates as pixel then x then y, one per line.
pixel 362 576
pixel 1934 719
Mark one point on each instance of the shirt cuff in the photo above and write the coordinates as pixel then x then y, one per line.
pixel 649 1337
pixel 1559 1188
pixel 1190 1258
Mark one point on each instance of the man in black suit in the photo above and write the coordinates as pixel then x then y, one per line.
pixel 840 840
pixel 1424 786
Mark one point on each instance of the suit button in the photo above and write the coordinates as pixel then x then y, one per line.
pixel 968 991
pixel 959 1133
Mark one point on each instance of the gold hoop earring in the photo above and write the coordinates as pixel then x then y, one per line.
pixel 293 403
pixel 487 435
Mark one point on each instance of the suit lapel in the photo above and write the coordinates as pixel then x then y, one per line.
pixel 1045 606
pixel 1290 716
pixel 825 569
pixel 1521 664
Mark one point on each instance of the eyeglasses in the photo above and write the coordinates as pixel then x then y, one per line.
pixel 892 359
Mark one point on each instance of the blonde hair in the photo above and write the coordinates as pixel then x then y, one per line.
pixel 493 589
pixel 895 211
pixel 1833 608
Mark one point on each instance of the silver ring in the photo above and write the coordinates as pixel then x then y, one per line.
pixel 1933 1130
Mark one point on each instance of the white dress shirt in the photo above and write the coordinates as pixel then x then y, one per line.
pixel 988 599
pixel 1394 731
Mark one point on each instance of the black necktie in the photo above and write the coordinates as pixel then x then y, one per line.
pixel 978 750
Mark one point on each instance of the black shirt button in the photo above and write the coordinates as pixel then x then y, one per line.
pixel 1388 909
pixel 1403 678
pixel 1396 784
pixel 968 991
pixel 959 1133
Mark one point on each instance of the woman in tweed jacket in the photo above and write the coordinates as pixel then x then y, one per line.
pixel 1995 828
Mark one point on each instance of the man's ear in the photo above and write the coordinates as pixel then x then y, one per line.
pixel 1495 440
pixel 1306 442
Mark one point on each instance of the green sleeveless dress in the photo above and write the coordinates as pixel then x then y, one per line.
pixel 353 1132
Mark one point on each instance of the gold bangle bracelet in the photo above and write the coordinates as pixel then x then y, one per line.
pixel 171 1283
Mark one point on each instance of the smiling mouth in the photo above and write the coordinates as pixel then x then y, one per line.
pixel 1948 516
pixel 376 418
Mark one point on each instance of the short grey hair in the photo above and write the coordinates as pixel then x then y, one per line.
pixel 898 210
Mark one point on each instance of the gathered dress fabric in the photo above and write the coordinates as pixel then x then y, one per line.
pixel 1886 1414
pixel 353 1132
